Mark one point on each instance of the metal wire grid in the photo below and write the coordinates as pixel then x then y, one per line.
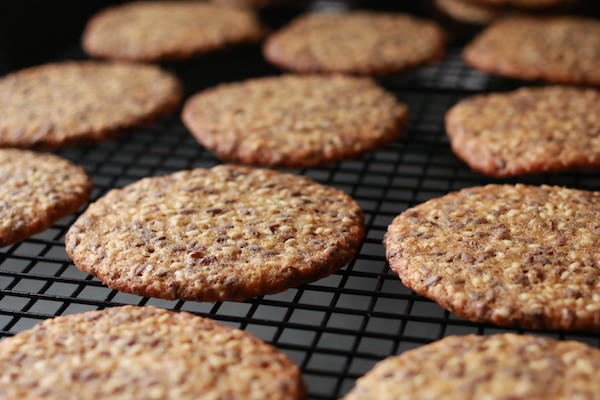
pixel 335 328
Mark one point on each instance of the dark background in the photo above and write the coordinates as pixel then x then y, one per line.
pixel 35 31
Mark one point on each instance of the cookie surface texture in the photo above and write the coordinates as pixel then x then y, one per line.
pixel 37 189
pixel 294 121
pixel 226 233
pixel 359 42
pixel 153 31
pixel 496 367
pixel 73 102
pixel 530 130
pixel 554 49
pixel 505 254
pixel 143 353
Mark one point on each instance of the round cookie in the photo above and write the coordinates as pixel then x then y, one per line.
pixel 37 189
pixel 496 367
pixel 358 42
pixel 226 233
pixel 258 4
pixel 529 130
pixel 554 49
pixel 471 13
pixel 168 30
pixel 143 353
pixel 519 3
pixel 506 254
pixel 294 120
pixel 72 102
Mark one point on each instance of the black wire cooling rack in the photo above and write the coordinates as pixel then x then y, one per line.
pixel 335 328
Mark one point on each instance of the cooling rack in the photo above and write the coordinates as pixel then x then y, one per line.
pixel 335 328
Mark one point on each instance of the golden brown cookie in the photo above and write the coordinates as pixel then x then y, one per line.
pixel 497 367
pixel 168 30
pixel 530 130
pixel 37 189
pixel 359 42
pixel 130 352
pixel 255 3
pixel 554 49
pixel 506 254
pixel 226 233
pixel 470 13
pixel 294 120
pixel 532 4
pixel 72 102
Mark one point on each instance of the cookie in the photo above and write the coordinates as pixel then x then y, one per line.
pixel 470 13
pixel 506 254
pixel 530 130
pixel 143 353
pixel 258 4
pixel 294 120
pixel 496 367
pixel 226 233
pixel 554 49
pixel 358 42
pixel 37 189
pixel 73 102
pixel 168 30
pixel 532 4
